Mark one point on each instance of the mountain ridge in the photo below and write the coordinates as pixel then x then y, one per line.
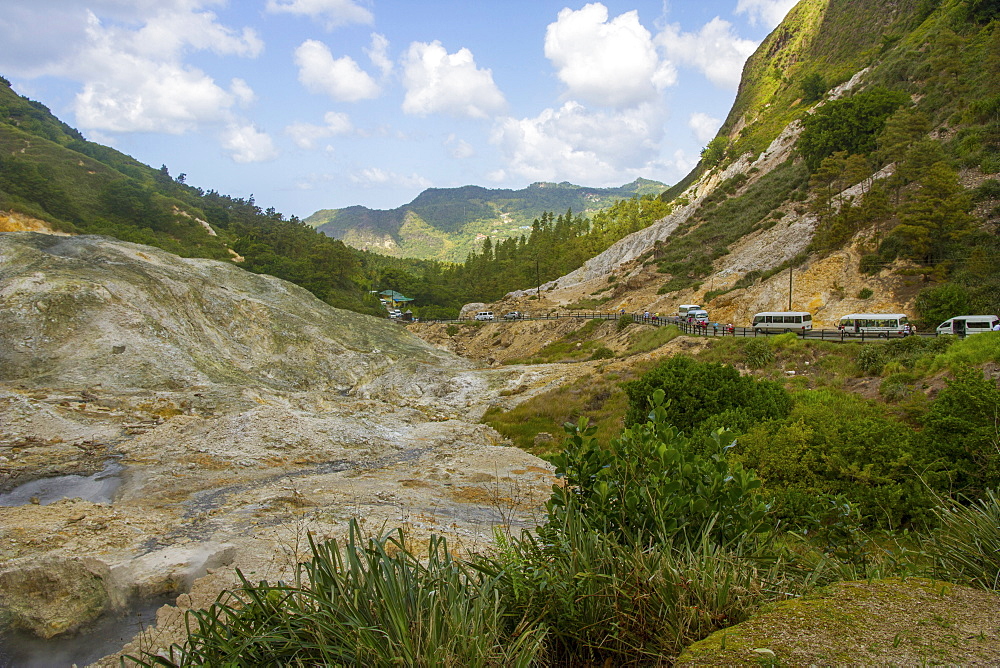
pixel 448 223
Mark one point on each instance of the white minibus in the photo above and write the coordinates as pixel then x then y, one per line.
pixel 699 315
pixel 782 321
pixel 684 309
pixel 967 324
pixel 874 324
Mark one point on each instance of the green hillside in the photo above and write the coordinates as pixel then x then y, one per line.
pixel 50 172
pixel 449 223
pixel 924 106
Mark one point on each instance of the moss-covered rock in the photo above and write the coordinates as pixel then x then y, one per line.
pixel 911 621
pixel 51 595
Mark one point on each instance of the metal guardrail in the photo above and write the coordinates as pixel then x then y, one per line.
pixel 693 329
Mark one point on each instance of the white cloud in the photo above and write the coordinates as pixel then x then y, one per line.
pixel 131 64
pixel 608 63
pixel 170 32
pixel 580 145
pixel 460 148
pixel 305 135
pixel 332 13
pixel 684 163
pixel 242 91
pixel 439 82
pixel 374 176
pixel 704 126
pixel 245 143
pixel 716 50
pixel 767 12
pixel 340 78
pixel 378 53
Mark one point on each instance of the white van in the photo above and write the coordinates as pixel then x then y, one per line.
pixel 484 315
pixel 964 325
pixel 699 315
pixel 684 309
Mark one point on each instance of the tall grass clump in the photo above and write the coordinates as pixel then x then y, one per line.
pixel 605 601
pixel 369 603
pixel 758 353
pixel 966 546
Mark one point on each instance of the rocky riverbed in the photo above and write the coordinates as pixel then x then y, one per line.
pixel 234 414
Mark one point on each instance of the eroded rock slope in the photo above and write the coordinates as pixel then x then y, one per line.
pixel 237 412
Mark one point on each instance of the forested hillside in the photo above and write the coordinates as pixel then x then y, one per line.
pixel 50 172
pixel 449 223
pixel 895 113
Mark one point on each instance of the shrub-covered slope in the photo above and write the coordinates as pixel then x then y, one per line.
pixel 448 223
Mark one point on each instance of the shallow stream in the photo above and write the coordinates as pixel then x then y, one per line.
pixel 97 488
pixel 105 636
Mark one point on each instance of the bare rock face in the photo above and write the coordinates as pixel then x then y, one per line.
pixel 239 415
pixel 85 310
pixel 53 595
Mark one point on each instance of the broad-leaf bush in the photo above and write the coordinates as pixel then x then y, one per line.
pixel 962 429
pixel 839 444
pixel 653 484
pixel 698 390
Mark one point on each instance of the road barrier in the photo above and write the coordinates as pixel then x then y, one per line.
pixel 710 329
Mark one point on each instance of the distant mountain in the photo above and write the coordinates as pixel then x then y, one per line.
pixel 447 223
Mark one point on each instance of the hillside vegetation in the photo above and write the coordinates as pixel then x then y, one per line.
pixel 50 172
pixel 899 165
pixel 449 223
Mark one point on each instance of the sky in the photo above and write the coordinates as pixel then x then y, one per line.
pixel 318 104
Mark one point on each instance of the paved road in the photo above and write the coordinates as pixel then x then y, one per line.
pixel 713 329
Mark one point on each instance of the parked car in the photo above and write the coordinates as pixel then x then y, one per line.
pixel 513 315
pixel 395 313
pixel 484 315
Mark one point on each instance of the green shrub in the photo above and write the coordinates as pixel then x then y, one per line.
pixel 695 391
pixel 451 330
pixel 654 485
pixel 758 353
pixel 897 386
pixel 865 293
pixel 840 444
pixel 871 359
pixel 871 263
pixel 603 353
pixel 909 350
pixel 960 428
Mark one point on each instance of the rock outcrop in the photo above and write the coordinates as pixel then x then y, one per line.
pixel 242 413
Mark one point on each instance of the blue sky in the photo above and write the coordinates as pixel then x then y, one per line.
pixel 311 104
